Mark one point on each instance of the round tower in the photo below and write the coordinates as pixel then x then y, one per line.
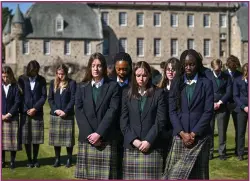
pixel 17 24
pixel 6 32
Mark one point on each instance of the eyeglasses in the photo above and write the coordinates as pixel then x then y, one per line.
pixel 171 70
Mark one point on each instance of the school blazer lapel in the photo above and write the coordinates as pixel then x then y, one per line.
pixel 135 105
pixel 89 96
pixel 147 106
pixel 196 91
pixel 37 83
pixel 104 89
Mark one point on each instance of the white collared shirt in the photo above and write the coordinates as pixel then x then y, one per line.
pixel 168 86
pixel 6 88
pixel 217 76
pixel 98 84
pixel 32 82
pixel 122 83
pixel 141 92
pixel 192 81
pixel 230 72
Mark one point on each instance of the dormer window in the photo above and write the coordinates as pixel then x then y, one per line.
pixel 59 23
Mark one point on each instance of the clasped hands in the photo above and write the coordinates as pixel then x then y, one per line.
pixel 60 113
pixel 95 139
pixel 143 146
pixel 6 117
pixel 187 138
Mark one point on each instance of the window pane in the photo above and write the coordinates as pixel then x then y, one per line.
pixel 87 47
pixel 206 47
pixel 25 47
pixel 123 45
pixel 190 44
pixel 157 20
pixel 174 47
pixel 139 19
pixel 223 22
pixel 206 19
pixel 140 48
pixel 67 47
pixel 157 47
pixel 174 20
pixel 105 18
pixel 123 18
pixel 46 47
pixel 190 20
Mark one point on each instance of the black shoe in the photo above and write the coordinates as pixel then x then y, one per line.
pixel 211 156
pixel 240 157
pixel 68 164
pixel 36 164
pixel 57 163
pixel 3 164
pixel 30 165
pixel 223 157
pixel 12 165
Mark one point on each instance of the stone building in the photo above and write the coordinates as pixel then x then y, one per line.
pixel 150 31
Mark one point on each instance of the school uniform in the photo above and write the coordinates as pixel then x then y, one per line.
pixel 96 110
pixel 222 86
pixel 240 95
pixel 143 119
pixel 10 129
pixel 231 105
pixel 34 96
pixel 191 110
pixel 62 129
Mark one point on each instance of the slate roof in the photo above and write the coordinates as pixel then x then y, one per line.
pixel 242 16
pixel 7 28
pixel 80 21
pixel 18 16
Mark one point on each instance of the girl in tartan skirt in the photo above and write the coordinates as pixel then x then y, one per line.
pixel 142 119
pixel 191 110
pixel 61 100
pixel 10 117
pixel 97 103
pixel 170 70
pixel 34 96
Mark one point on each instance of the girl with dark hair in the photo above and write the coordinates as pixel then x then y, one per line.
pixel 232 65
pixel 240 95
pixel 34 96
pixel 142 119
pixel 10 117
pixel 62 100
pixel 191 110
pixel 97 103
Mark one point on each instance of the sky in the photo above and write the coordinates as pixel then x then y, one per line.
pixel 12 5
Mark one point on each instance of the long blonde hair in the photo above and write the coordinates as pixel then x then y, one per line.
pixel 245 71
pixel 59 83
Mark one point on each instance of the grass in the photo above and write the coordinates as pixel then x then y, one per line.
pixel 228 169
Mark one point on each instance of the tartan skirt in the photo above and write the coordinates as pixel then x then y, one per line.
pixel 32 130
pixel 10 135
pixel 188 163
pixel 62 131
pixel 96 163
pixel 142 166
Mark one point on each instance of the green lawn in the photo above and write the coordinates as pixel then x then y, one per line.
pixel 228 169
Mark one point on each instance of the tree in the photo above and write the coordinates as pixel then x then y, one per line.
pixel 6 12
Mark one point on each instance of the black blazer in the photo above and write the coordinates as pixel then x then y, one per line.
pixel 12 102
pixel 64 101
pixel 196 115
pixel 235 75
pixel 240 94
pixel 100 118
pixel 145 125
pixel 37 98
pixel 224 91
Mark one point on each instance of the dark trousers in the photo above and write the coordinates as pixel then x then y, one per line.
pixel 222 124
pixel 242 118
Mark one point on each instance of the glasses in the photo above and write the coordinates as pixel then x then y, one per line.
pixel 170 70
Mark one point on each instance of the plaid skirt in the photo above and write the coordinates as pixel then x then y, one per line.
pixel 188 163
pixel 96 163
pixel 140 166
pixel 62 131
pixel 10 135
pixel 32 130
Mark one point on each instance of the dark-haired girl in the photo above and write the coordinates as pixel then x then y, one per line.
pixel 10 117
pixel 240 94
pixel 34 96
pixel 62 100
pixel 143 118
pixel 97 103
pixel 191 110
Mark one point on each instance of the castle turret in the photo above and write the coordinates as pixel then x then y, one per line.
pixel 17 24
pixel 6 32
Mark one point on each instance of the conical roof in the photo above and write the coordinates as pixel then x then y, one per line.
pixel 18 16
pixel 7 28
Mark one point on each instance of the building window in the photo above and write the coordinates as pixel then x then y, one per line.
pixel 105 46
pixel 67 47
pixel 87 47
pixel 190 44
pixel 140 47
pixel 123 19
pixel 59 23
pixel 105 18
pixel 190 20
pixel 206 20
pixel 140 19
pixel 207 48
pixel 174 20
pixel 123 45
pixel 174 47
pixel 157 47
pixel 26 47
pixel 223 20
pixel 157 19
pixel 46 47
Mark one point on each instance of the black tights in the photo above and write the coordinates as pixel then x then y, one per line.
pixel 35 152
